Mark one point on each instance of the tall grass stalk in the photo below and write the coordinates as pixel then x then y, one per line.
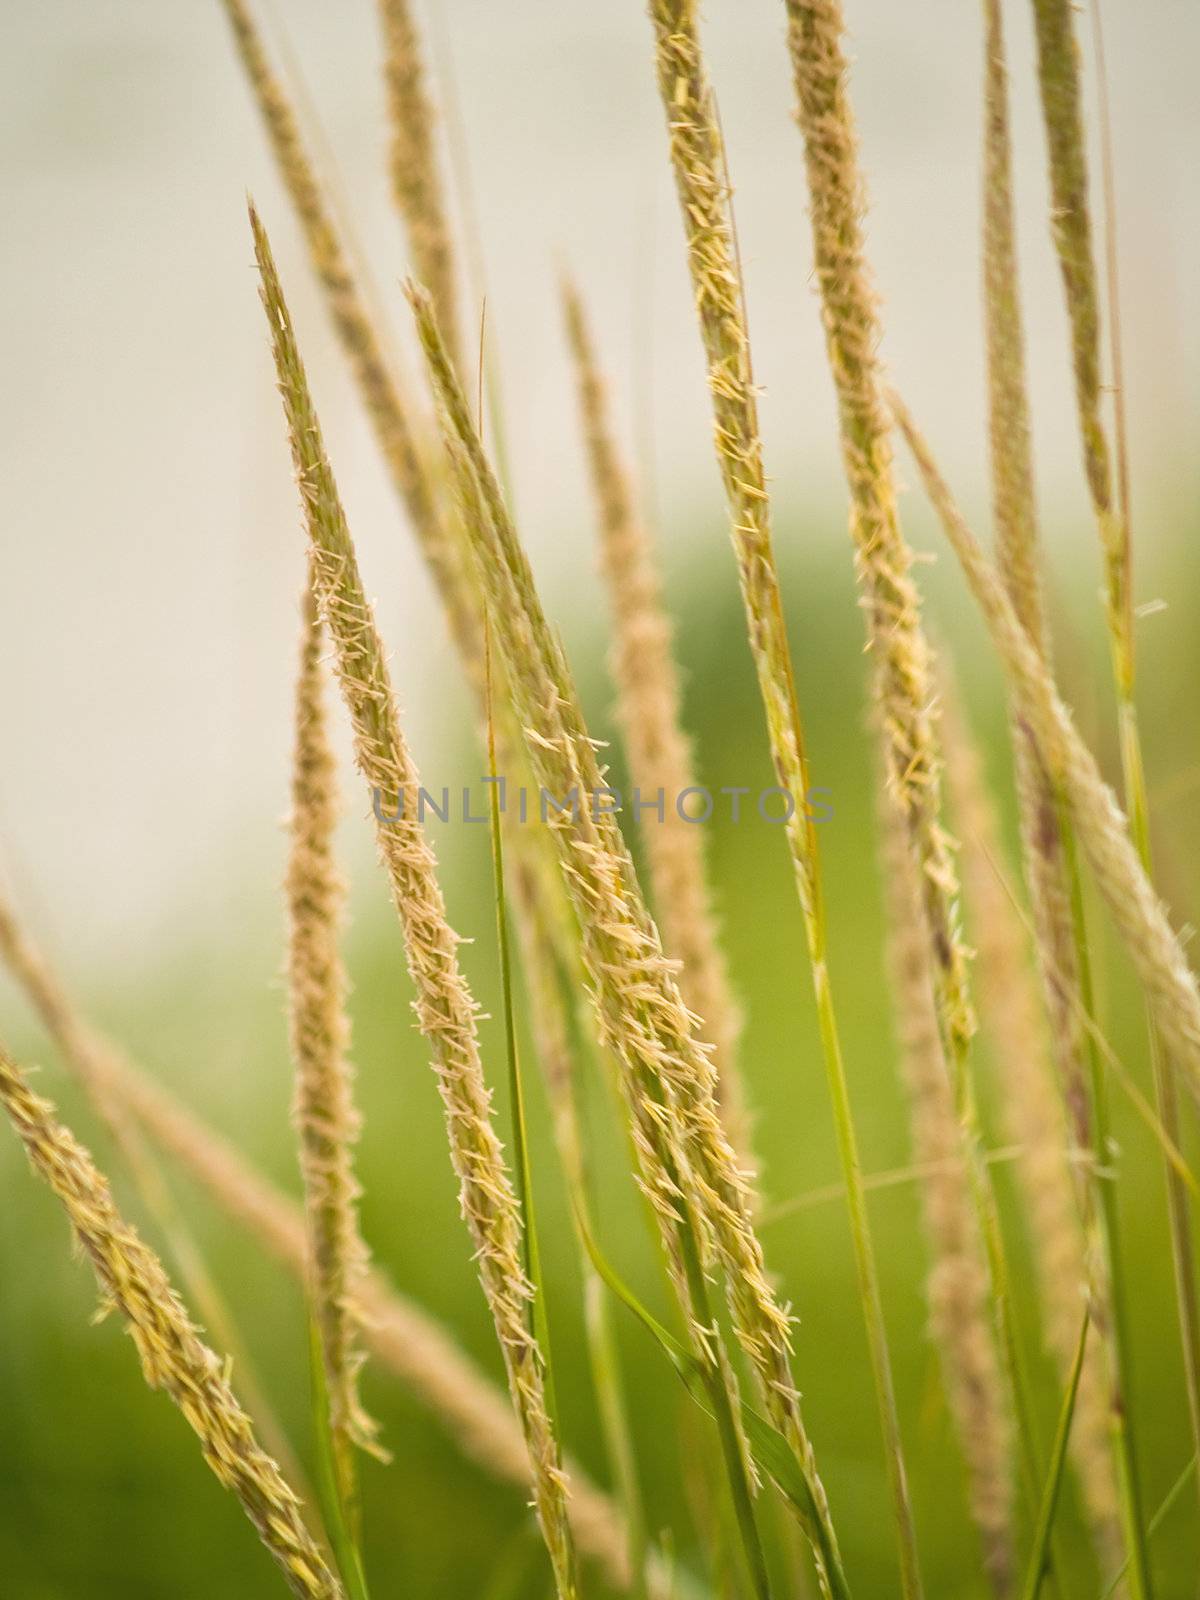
pixel 960 1317
pixel 1049 850
pixel 698 165
pixel 650 711
pixel 1058 76
pixel 326 1118
pixel 522 1167
pixel 896 637
pixel 446 1011
pixel 1166 1506
pixel 1039 1562
pixel 688 1170
pixel 172 1354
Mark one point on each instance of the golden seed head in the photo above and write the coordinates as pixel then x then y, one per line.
pixel 173 1355
pixel 324 1110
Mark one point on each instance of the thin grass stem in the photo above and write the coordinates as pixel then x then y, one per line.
pixel 1040 1559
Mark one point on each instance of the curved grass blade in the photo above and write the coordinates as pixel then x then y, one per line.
pixel 774 1455
pixel 769 1448
pixel 1040 1559
pixel 337 1514
pixel 705 1387
pixel 677 1353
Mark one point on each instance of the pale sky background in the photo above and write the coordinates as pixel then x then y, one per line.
pixel 151 545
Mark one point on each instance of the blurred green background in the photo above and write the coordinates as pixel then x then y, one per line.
pixel 101 1488
pixel 148 620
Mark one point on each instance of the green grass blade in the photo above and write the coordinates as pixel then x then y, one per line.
pixel 680 1357
pixel 520 1139
pixel 1156 1521
pixel 706 1386
pixel 333 1506
pixel 1058 1455
pixel 774 1456
pixel 772 1453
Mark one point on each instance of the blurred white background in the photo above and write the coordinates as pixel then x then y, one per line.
pixel 151 547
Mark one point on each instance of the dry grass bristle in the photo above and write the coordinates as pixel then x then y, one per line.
pixel 900 652
pixel 688 1169
pixel 1071 226
pixel 1019 562
pixel 698 164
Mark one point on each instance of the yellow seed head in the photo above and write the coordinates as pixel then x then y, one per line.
pixel 173 1355
pixel 416 179
pixel 325 1114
